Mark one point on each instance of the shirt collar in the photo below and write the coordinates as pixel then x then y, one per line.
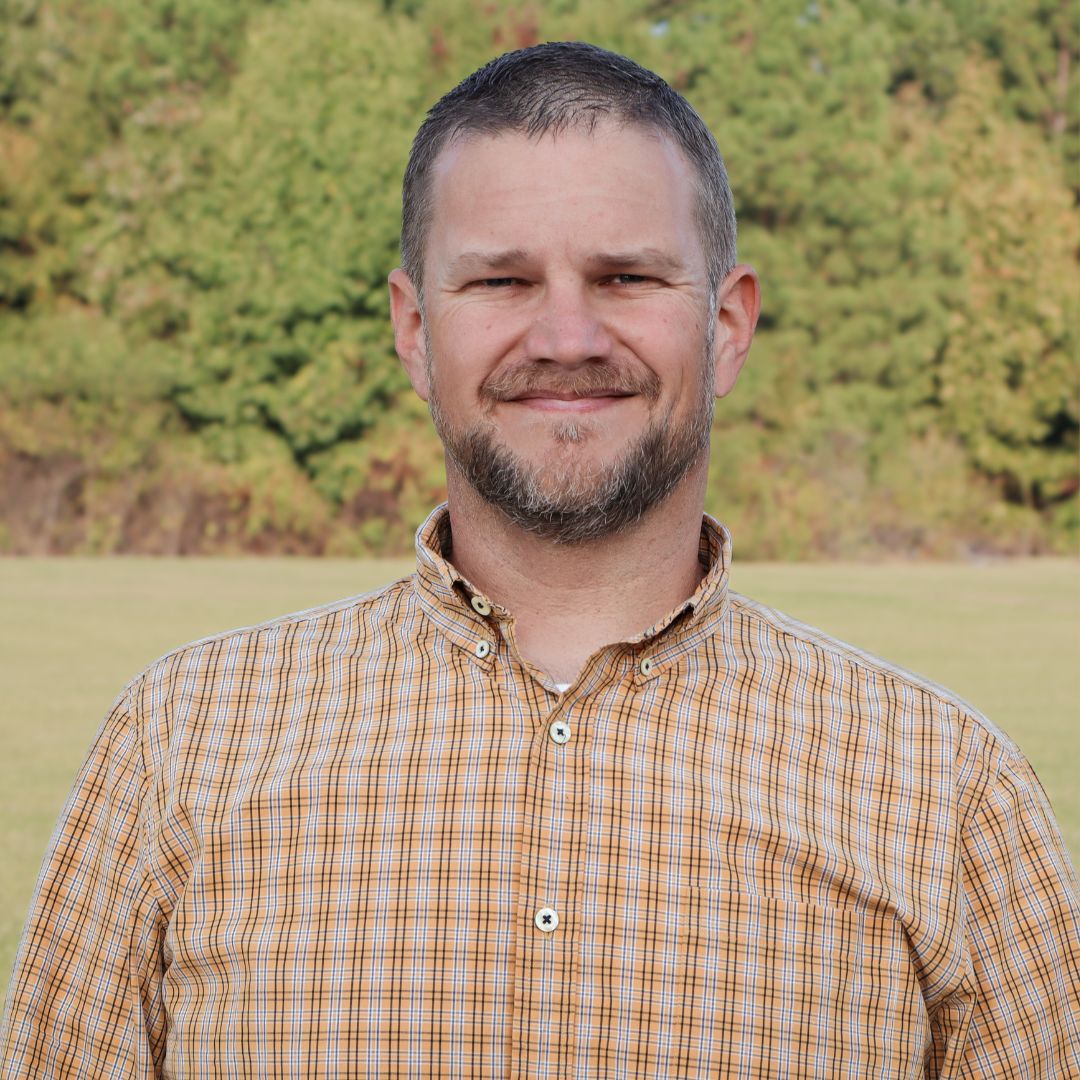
pixel 464 613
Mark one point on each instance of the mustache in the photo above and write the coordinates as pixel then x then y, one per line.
pixel 593 379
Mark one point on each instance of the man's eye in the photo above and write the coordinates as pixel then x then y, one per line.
pixel 497 282
pixel 629 279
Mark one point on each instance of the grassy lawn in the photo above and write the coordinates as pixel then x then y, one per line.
pixel 73 631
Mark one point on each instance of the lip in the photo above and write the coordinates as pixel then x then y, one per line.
pixel 555 402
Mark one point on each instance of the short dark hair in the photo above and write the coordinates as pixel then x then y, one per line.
pixel 553 87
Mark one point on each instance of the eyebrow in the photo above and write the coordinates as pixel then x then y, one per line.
pixel 488 260
pixel 513 257
pixel 651 257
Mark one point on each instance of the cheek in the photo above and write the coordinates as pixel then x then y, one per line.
pixel 668 327
pixel 672 348
pixel 457 368
pixel 680 361
pixel 474 343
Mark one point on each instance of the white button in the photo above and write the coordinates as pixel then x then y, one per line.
pixel 645 666
pixel 481 605
pixel 547 919
pixel 560 731
pixel 483 648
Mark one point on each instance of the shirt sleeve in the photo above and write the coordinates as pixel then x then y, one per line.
pixel 1023 936
pixel 85 996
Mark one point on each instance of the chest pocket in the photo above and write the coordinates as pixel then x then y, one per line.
pixel 711 983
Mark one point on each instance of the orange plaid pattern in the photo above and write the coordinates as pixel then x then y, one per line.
pixel 369 840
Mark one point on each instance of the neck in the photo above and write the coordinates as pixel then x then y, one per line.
pixel 568 600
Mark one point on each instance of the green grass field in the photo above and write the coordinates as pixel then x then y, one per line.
pixel 73 631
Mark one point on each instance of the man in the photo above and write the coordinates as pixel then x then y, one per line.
pixel 560 803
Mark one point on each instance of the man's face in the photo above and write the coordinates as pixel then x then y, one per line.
pixel 567 347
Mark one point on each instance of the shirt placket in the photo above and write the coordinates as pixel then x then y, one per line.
pixel 547 926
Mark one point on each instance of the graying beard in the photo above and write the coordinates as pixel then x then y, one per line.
pixel 573 509
pixel 580 511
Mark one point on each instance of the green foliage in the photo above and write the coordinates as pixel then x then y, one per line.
pixel 199 207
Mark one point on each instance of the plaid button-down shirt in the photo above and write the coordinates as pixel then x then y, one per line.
pixel 369 840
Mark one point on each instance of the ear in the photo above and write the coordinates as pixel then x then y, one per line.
pixel 409 337
pixel 737 309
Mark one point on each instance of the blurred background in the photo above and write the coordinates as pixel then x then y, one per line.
pixel 199 207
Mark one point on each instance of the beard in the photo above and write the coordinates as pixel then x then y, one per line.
pixel 566 498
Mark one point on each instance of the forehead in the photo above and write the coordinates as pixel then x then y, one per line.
pixel 613 184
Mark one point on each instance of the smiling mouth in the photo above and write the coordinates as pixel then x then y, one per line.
pixel 560 401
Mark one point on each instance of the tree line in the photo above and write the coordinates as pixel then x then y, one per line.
pixel 199 205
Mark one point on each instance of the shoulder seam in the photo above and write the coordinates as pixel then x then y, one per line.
pixel 293 617
pixel 792 627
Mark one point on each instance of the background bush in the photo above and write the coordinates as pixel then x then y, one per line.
pixel 199 207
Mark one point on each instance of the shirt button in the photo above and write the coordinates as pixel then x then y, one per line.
pixel 547 919
pixel 560 731
pixel 483 648
pixel 480 605
pixel 645 666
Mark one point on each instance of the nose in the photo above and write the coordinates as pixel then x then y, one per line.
pixel 566 326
